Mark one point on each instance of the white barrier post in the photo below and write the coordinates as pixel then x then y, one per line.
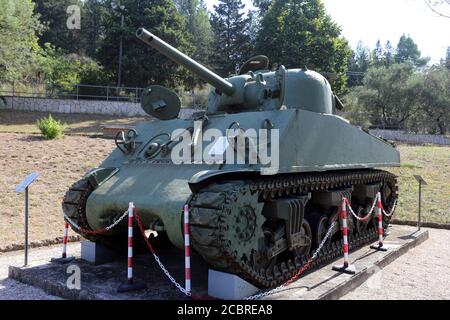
pixel 64 258
pixel 187 251
pixel 346 267
pixel 379 247
pixel 130 284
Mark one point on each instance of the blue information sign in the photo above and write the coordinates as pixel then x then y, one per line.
pixel 25 183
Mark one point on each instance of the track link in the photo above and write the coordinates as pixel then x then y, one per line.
pixel 212 205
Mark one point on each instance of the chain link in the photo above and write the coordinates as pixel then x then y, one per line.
pixel 160 264
pixel 98 231
pixel 305 267
pixel 367 216
pixel 392 210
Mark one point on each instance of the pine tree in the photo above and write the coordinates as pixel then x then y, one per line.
pixel 199 28
pixel 298 33
pixel 232 41
pixel 407 51
pixel 143 65
pixel 447 58
pixel 377 54
pixel 53 14
pixel 389 53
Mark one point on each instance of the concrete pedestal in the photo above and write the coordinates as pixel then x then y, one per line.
pixel 96 254
pixel 228 286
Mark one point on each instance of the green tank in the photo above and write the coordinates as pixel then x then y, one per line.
pixel 259 217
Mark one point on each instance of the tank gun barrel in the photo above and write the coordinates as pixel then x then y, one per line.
pixel 182 59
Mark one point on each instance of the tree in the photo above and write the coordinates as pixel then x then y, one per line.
pixel 199 28
pixel 53 15
pixel 390 96
pixel 143 65
pixel 299 33
pixel 92 15
pixel 359 62
pixel 232 36
pixel 407 51
pixel 434 116
pixel 18 38
pixel 378 54
pixel 262 5
pixel 447 58
pixel 389 53
pixel 61 71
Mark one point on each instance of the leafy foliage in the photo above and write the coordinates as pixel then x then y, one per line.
pixel 407 51
pixel 200 32
pixel 18 39
pixel 51 128
pixel 63 71
pixel 232 36
pixel 141 64
pixel 400 97
pixel 299 33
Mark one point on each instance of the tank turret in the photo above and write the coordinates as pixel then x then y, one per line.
pixel 258 88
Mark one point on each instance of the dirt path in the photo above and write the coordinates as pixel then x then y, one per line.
pixel 422 273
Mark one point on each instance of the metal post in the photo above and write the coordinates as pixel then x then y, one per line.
pixel 421 182
pixel 107 93
pixel 26 227
pixel 130 284
pixel 78 91
pixel 119 75
pixel 420 205
pixel 13 95
pixel 136 96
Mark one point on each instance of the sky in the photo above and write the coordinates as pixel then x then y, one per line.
pixel 370 20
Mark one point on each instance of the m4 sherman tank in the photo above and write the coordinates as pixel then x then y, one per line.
pixel 256 218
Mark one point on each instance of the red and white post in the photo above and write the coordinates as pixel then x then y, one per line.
pixel 187 251
pixel 64 258
pixel 346 267
pixel 130 285
pixel 379 247
pixel 65 238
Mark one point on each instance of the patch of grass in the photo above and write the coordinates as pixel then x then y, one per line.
pixel 51 128
pixel 409 166
pixel 433 164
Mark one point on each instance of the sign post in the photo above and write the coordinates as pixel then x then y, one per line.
pixel 23 186
pixel 421 182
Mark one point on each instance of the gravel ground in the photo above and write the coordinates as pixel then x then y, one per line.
pixel 14 290
pixel 421 273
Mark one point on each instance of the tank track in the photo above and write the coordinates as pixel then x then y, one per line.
pixel 209 220
pixel 74 205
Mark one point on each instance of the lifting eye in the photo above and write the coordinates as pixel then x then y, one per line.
pixel 152 150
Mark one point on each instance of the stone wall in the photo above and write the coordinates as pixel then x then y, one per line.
pixel 117 108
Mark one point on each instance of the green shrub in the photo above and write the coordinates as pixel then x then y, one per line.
pixel 51 128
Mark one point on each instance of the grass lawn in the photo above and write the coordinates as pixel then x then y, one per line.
pixel 62 162
pixel 433 164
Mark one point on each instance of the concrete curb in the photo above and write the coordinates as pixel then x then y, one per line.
pixel 361 276
pixel 433 225
pixel 38 244
pixel 56 289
